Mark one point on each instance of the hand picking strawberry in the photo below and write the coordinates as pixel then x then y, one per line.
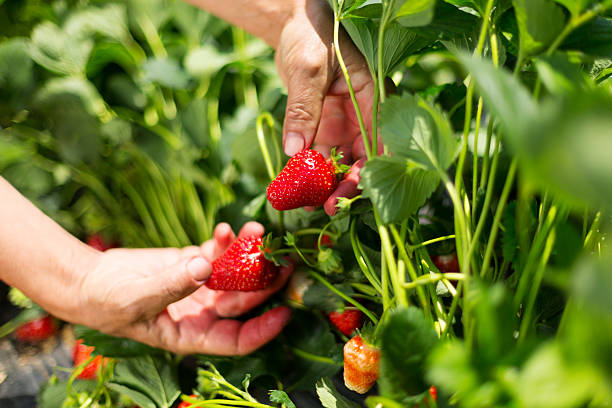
pixel 308 179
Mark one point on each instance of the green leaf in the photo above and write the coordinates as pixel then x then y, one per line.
pixel 330 397
pixel 539 23
pixel 566 149
pixel 449 367
pixel 593 38
pixel 547 381
pixel 109 21
pixel 317 296
pixel 166 72
pixel 111 346
pixel 316 353
pixel 396 187
pixel 14 53
pixel 205 61
pixel 406 340
pixel 560 75
pixel 503 94
pixel 414 130
pixel 53 395
pixel 400 42
pixel 281 397
pixel 413 13
pixel 575 7
pixel 55 50
pixel 148 378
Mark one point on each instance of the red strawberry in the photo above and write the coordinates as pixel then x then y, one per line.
pixel 347 321
pixel 446 263
pixel 242 267
pixel 37 330
pixel 307 180
pixel 326 241
pixel 360 365
pixel 185 404
pixel 81 354
pixel 98 242
pixel 434 393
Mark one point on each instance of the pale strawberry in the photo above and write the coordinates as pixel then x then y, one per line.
pixel 360 365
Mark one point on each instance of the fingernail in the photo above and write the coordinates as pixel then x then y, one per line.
pixel 199 269
pixel 294 143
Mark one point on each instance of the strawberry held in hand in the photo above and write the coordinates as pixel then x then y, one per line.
pixel 360 365
pixel 347 321
pixel 242 267
pixel 308 179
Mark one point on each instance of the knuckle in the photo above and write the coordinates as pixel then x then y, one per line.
pixel 299 112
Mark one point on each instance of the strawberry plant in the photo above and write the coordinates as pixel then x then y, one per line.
pixel 476 251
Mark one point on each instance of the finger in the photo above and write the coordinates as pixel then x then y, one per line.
pixel 223 235
pixel 232 304
pixel 173 284
pixel 307 87
pixel 232 337
pixel 251 229
pixel 348 187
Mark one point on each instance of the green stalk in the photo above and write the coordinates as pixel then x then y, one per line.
pixel 535 286
pixel 487 202
pixel 261 138
pixel 485 160
pixel 430 241
pixel 363 260
pixel 499 212
pixel 592 231
pixel 387 250
pixel 475 160
pixel 347 78
pixel 313 357
pixel 433 278
pixel 535 254
pixel 353 302
pixel 375 118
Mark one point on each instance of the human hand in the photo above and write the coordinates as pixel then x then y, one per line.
pixel 319 108
pixel 157 297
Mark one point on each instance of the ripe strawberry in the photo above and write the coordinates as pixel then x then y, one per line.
pixel 433 392
pixel 360 365
pixel 185 404
pixel 98 242
pixel 81 354
pixel 37 330
pixel 307 180
pixel 446 263
pixel 347 321
pixel 242 267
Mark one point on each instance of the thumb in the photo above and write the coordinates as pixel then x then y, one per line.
pixel 178 281
pixel 306 93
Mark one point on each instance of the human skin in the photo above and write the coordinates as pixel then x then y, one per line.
pixel 319 113
pixel 155 296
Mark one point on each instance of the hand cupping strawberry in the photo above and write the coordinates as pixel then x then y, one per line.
pixel 308 179
pixel 242 267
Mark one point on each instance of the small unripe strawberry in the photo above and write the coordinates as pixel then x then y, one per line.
pixel 242 267
pixel 308 179
pixel 360 365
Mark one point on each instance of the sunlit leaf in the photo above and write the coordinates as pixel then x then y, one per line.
pixel 539 23
pixel 414 130
pixel 396 187
pixel 413 13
